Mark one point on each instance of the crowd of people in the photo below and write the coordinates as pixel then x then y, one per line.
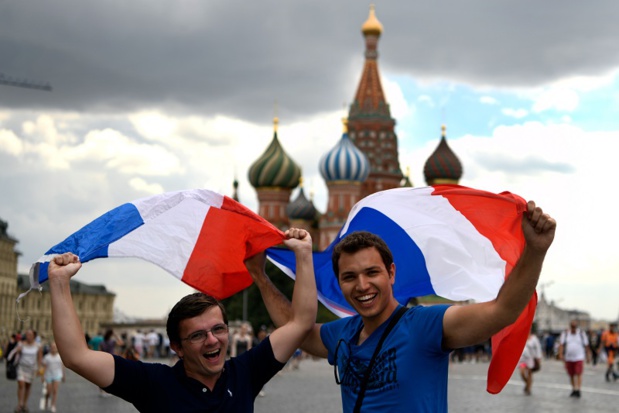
pixel 575 347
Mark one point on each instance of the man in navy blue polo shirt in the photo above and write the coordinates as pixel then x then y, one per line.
pixel 203 380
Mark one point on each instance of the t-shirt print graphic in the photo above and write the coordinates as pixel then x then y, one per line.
pixel 384 374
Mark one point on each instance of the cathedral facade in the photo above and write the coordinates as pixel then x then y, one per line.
pixel 363 161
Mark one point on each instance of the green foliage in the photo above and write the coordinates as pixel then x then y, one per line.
pixel 257 313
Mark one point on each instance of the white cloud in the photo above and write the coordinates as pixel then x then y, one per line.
pixel 560 99
pixel 141 185
pixel 488 100
pixel 515 113
pixel 10 143
pixel 427 100
pixel 587 83
pixel 400 108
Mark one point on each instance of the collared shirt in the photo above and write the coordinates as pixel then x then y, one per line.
pixel 154 387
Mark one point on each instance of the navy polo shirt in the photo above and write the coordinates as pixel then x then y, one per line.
pixel 155 387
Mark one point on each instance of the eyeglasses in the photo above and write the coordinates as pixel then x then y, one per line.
pixel 218 330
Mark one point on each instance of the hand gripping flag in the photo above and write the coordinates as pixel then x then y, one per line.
pixel 456 242
pixel 199 236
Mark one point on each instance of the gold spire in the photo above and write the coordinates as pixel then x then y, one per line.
pixel 301 181
pixel 275 118
pixel 443 129
pixel 372 25
pixel 345 125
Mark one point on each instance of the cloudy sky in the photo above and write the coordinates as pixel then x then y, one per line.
pixel 162 95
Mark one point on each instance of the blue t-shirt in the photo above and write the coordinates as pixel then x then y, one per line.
pixel 154 387
pixel 410 371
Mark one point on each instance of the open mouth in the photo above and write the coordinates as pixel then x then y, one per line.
pixel 366 299
pixel 212 354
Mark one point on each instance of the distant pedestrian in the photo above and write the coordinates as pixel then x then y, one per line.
pixel 11 368
pixel 96 341
pixel 138 342
pixel 110 342
pixel 151 344
pixel 549 346
pixel 594 344
pixel 241 341
pixel 30 356
pixel 573 349
pixel 54 374
pixel 609 343
pixel 530 361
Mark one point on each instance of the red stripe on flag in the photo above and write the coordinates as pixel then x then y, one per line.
pixel 228 237
pixel 498 217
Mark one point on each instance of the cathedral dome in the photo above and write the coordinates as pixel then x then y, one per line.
pixel 301 208
pixel 274 168
pixel 443 166
pixel 345 162
pixel 372 25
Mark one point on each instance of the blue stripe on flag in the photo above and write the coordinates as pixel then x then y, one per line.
pixel 92 240
pixel 412 278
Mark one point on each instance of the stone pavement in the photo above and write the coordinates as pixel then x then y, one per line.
pixel 312 389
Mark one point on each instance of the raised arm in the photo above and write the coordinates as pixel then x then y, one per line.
pixel 471 324
pixel 295 320
pixel 95 366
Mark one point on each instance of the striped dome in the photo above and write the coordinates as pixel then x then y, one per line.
pixel 301 208
pixel 345 162
pixel 274 168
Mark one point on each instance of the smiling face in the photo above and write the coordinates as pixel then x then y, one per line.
pixel 367 285
pixel 203 361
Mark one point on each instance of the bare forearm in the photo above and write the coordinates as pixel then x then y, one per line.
pixel 278 306
pixel 66 326
pixel 304 300
pixel 519 287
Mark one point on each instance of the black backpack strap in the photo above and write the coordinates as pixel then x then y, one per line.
pixel 368 371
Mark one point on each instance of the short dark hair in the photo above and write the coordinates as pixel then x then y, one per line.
pixel 190 306
pixel 357 241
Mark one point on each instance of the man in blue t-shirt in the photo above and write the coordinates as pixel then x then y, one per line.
pixel 202 380
pixel 410 371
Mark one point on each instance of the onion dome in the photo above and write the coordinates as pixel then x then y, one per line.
pixel 274 168
pixel 345 162
pixel 372 25
pixel 301 208
pixel 443 166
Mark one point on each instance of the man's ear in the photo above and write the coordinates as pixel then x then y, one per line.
pixel 178 349
pixel 392 272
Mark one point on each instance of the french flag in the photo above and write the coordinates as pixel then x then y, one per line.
pixel 456 242
pixel 198 236
pixel 452 241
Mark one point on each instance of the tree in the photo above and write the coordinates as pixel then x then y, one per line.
pixel 257 313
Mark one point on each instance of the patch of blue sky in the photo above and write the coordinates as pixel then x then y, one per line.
pixel 598 110
pixel 466 111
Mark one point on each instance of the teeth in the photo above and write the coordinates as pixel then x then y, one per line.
pixel 212 353
pixel 366 297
